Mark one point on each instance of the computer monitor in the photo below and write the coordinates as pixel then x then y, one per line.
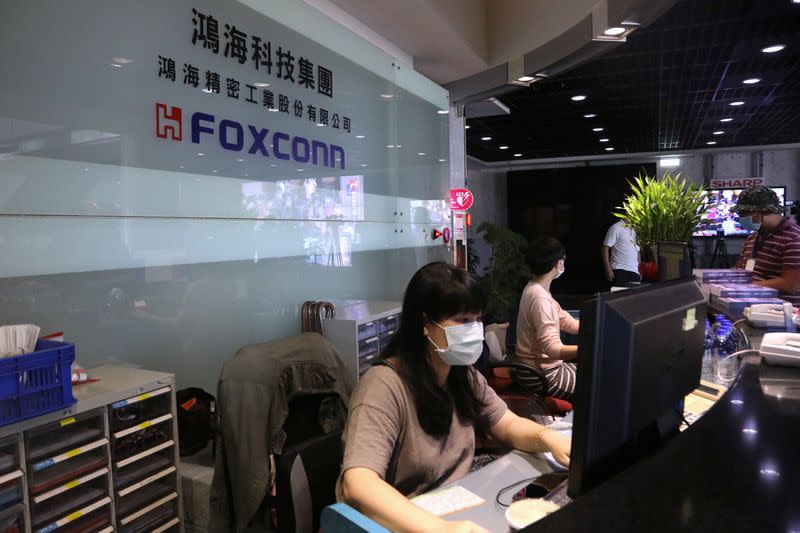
pixel 639 354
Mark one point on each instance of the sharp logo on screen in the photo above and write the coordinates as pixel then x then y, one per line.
pixel 236 137
pixel 741 183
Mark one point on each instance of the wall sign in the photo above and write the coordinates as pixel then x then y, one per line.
pixel 736 183
pixel 460 199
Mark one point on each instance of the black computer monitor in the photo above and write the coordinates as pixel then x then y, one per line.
pixel 639 354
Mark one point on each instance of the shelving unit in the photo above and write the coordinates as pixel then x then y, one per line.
pixel 361 331
pixel 108 463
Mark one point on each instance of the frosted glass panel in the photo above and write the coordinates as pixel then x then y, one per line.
pixel 163 221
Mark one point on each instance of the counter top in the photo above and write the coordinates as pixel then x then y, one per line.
pixel 736 469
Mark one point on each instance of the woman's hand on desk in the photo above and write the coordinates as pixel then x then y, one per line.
pixel 462 526
pixel 558 444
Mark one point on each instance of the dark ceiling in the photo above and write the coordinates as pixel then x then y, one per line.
pixel 665 89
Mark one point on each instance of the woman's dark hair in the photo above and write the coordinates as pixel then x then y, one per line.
pixel 543 254
pixel 437 292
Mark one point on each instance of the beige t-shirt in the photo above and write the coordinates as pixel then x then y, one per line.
pixel 539 326
pixel 383 434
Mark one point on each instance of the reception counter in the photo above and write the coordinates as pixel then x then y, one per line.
pixel 736 469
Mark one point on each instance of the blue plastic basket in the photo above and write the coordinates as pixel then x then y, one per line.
pixel 36 383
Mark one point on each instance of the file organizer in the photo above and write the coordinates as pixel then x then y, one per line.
pixel 107 463
pixel 360 331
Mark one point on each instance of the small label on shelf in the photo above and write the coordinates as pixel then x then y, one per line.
pixel 68 455
pixel 140 398
pixel 67 421
pixel 70 485
pixel 144 425
pixel 74 516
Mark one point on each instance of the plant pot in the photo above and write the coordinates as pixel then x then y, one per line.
pixel 649 271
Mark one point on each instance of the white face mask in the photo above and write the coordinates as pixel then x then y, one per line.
pixel 464 343
pixel 561 269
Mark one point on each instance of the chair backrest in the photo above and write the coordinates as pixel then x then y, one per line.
pixel 305 482
pixel 495 336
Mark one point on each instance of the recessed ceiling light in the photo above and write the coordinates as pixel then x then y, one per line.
pixel 443 111
pixel 320 124
pixel 751 81
pixel 466 127
pixel 182 166
pixel 240 160
pixel 504 147
pixel 363 165
pixel 597 129
pixel 525 79
pixel 246 174
pixel 589 115
pixel 420 153
pixel 299 169
pixel 718 132
pixel 122 60
pixel 442 160
pixel 214 171
pixel 200 153
pixel 726 119
pixel 771 49
pixel 711 142
pixel 261 84
pixel 389 146
pixel 517 155
pixel 116 65
pixel 486 138
pixel 273 165
pixel 207 91
pixel 736 103
pixel 613 32
pixel 578 98
pixel 359 136
pixel 609 149
pixel 273 109
pixel 604 140
pixel 387 96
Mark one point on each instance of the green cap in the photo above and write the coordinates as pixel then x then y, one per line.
pixel 758 199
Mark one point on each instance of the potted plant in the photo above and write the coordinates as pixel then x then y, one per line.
pixel 662 212
pixel 507 273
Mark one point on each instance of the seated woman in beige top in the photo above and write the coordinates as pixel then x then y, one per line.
pixel 413 419
pixel 541 321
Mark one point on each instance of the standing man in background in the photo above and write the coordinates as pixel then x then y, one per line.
pixel 621 255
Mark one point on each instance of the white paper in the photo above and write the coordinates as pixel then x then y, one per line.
pixel 18 339
pixel 448 500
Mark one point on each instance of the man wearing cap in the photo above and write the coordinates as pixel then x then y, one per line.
pixel 772 251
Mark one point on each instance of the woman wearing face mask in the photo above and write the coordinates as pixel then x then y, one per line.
pixel 413 419
pixel 541 320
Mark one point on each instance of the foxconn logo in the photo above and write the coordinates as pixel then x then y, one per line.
pixel 169 122
pixel 237 137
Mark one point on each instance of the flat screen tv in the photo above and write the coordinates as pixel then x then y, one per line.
pixel 719 220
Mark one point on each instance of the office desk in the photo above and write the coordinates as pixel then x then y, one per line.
pixel 736 469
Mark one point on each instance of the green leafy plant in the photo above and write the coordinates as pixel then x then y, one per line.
pixel 507 273
pixel 662 210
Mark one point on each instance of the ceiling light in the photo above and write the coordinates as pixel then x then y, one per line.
pixel 613 32
pixel 442 160
pixel 504 147
pixel 773 48
pixel 273 109
pixel 578 98
pixel 597 129
pixel 711 142
pixel 669 162
pixel 122 60
pixel 359 136
pixel 273 165
pixel 207 90
pixel 387 96
pixel 517 155
pixel 486 138
pixel 718 132
pixel 389 146
pixel 736 103
pixel 116 65
pixel 200 153
pixel 363 165
pixel 261 84
pixel 214 171
pixel 525 79
pixel 727 119
pixel 610 149
pixel 420 153
pixel 320 124
pixel 466 127
pixel 589 115
pixel 604 140
pixel 751 81
pixel 443 111
pixel 299 169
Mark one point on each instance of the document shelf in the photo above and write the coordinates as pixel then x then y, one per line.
pixel 112 456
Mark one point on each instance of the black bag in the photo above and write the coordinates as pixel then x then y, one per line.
pixel 197 419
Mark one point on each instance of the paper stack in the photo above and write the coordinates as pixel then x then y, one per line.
pixel 18 339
